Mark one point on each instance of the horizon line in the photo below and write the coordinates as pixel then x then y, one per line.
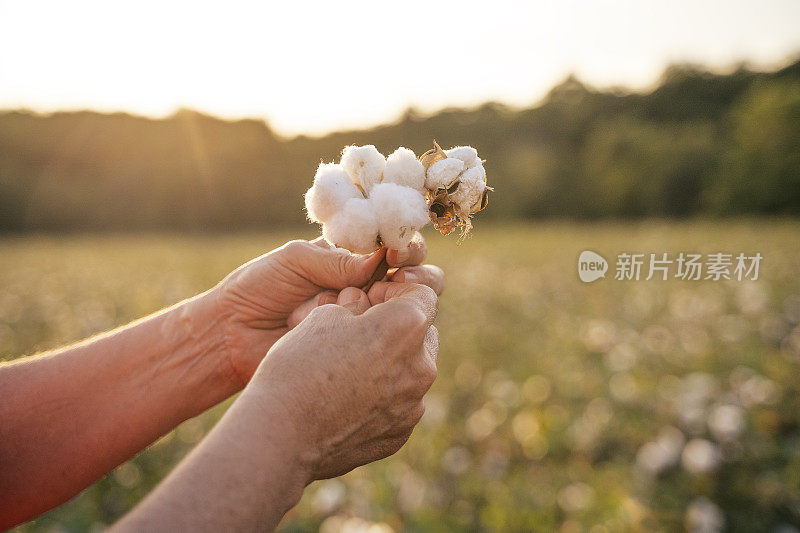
pixel 769 67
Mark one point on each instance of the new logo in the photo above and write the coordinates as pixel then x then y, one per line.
pixel 591 266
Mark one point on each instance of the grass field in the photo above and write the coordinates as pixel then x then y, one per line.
pixel 611 406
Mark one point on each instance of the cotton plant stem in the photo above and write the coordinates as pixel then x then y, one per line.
pixel 379 274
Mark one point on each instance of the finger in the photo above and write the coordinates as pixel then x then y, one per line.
pixel 353 299
pixel 430 275
pixel 431 343
pixel 302 311
pixel 331 268
pixel 413 254
pixel 322 243
pixel 390 300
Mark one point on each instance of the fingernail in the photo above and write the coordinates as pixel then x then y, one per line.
pixel 403 255
pixel 327 298
pixel 350 298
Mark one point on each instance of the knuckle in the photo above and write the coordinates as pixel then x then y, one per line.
pixel 327 313
pixel 415 318
pixel 429 293
pixel 410 418
pixel 432 342
pixel 425 375
pixel 430 298
pixel 406 318
pixel 417 413
pixel 297 247
pixel 437 275
pixel 432 336
pixel 431 373
pixel 433 354
pixel 344 263
pixel 421 375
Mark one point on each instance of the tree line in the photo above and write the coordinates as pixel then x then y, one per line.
pixel 698 144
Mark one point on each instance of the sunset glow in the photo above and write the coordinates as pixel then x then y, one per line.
pixel 325 66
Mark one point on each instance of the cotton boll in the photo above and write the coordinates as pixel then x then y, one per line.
pixel 401 212
pixel 441 174
pixel 470 190
pixel 364 165
pixel 403 168
pixel 354 228
pixel 476 169
pixel 467 154
pixel 332 188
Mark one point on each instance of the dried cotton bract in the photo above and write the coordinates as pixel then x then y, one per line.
pixel 469 194
pixel 367 201
pixel 456 183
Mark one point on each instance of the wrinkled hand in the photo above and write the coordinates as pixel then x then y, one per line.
pixel 263 299
pixel 351 376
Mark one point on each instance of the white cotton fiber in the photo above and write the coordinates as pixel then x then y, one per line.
pixel 364 165
pixel 470 190
pixel 403 168
pixel 401 212
pixel 476 170
pixel 332 188
pixel 355 227
pixel 467 154
pixel 441 174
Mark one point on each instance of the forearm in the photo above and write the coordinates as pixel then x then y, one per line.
pixel 243 477
pixel 70 416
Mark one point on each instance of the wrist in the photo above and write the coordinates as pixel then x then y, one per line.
pixel 269 444
pixel 284 434
pixel 200 325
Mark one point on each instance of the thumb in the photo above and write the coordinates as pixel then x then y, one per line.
pixel 333 268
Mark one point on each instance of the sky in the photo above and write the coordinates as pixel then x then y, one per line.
pixel 311 68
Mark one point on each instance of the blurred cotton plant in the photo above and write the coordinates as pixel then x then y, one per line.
pixel 558 407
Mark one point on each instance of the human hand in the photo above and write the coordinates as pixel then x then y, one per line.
pixel 341 389
pixel 263 299
pixel 350 378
